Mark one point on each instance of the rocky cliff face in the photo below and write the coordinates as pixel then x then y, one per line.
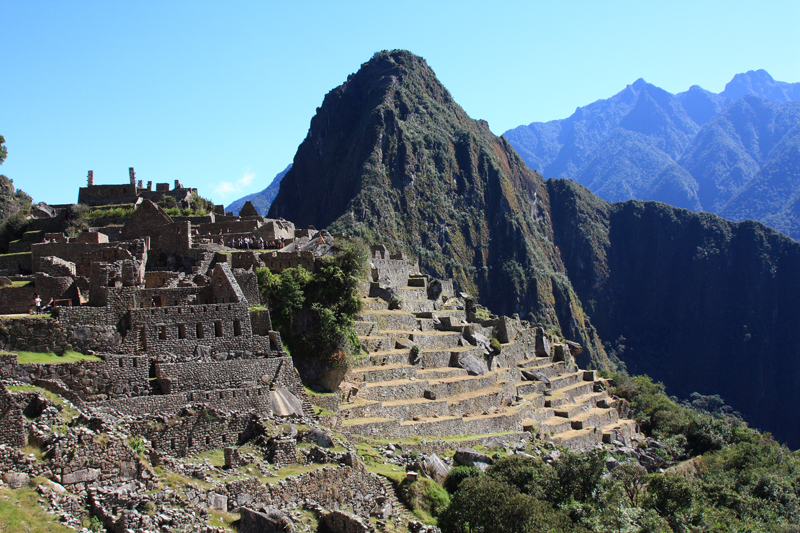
pixel 392 158
pixel 693 300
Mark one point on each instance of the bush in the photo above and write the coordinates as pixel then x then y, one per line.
pixel 459 474
pixel 529 475
pixel 425 496
pixel 484 505
pixel 495 345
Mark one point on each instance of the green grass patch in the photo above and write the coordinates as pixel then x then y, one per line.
pixel 19 254
pixel 22 283
pixel 222 519
pixel 321 411
pixel 49 358
pixel 20 511
pixel 216 457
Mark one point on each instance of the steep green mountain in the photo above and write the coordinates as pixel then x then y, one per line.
pixel 696 301
pixel 696 149
pixel 261 200
pixel 391 157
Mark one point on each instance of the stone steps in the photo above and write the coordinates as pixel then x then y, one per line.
pixel 441 372
pixel 525 388
pixel 622 430
pixel 394 390
pixel 376 343
pixel 385 357
pixel 373 304
pixel 390 320
pixel 576 439
pixel 549 369
pixel 478 401
pixel 566 394
pixel 595 417
pixel 418 306
pixel 365 328
pixel 436 339
pixel 389 372
pixel 555 425
pixel 571 410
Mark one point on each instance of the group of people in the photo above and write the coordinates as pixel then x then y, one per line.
pixel 37 302
pixel 251 243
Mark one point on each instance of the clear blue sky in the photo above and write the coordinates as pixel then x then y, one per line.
pixel 220 94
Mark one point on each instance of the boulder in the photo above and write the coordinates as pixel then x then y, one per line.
pixel 80 476
pixel 340 522
pixel 218 501
pixel 284 403
pixel 470 457
pixel 542 343
pixel 5 282
pixel 472 365
pixel 434 289
pixel 534 375
pixel 16 480
pixel 266 521
pixel 202 353
pixel 319 437
pixel 437 469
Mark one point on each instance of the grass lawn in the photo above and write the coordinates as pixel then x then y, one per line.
pixel 20 511
pixel 50 358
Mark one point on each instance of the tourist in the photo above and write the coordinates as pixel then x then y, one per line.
pixel 38 302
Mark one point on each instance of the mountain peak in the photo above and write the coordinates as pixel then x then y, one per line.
pixel 762 84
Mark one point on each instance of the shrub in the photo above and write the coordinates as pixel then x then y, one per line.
pixel 459 474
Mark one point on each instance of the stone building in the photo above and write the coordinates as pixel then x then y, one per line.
pixel 129 193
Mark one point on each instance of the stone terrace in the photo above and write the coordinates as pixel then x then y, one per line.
pixel 455 385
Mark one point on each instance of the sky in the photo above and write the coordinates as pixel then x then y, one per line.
pixel 219 95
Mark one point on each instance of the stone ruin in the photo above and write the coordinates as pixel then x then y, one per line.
pixel 186 364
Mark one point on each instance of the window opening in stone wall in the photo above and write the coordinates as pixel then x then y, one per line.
pixel 181 331
pixel 172 444
pixel 208 440
pixel 121 363
pixel 217 308
pixel 218 328
pixel 135 363
pixel 162 332
pixel 180 311
pixel 189 442
pixel 224 438
pixel 230 307
pixel 237 327
pixel 200 333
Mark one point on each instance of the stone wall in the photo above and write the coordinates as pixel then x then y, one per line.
pixel 83 255
pixel 117 376
pixel 248 282
pixel 15 300
pixel 97 195
pixel 49 335
pixel 353 488
pixel 278 261
pixel 195 431
pixel 223 328
pixel 234 374
pixel 12 423
pixel 13 264
pixel 255 399
pixel 54 266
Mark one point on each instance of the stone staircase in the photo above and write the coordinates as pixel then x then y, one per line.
pixel 430 394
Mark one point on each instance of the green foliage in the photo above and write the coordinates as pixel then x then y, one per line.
pixel 483 505
pixel 137 444
pixel 457 475
pixel 415 351
pixel 109 211
pixel 495 345
pixel 529 475
pixel 425 497
pixel 330 294
pixel 3 149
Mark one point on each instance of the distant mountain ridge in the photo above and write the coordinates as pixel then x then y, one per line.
pixel 697 149
pixel 261 200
